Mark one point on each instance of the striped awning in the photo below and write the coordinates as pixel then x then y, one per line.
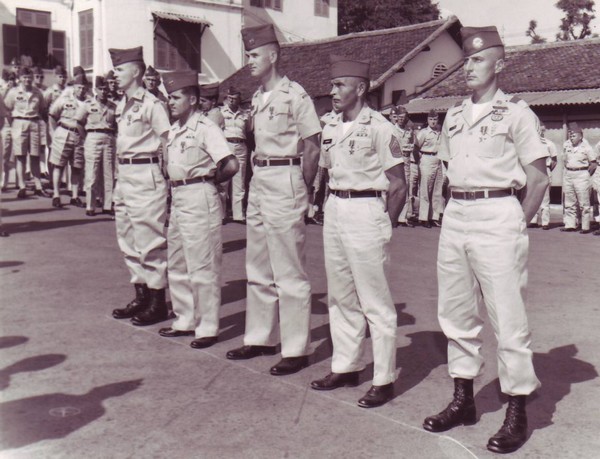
pixel 181 18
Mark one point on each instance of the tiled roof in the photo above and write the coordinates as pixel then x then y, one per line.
pixel 308 62
pixel 537 68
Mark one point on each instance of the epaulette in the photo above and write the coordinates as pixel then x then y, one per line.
pixel 378 116
pixel 457 104
pixel 515 99
pixel 297 89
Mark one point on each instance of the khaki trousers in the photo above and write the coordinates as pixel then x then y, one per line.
pixel 278 286
pixel 195 253
pixel 576 188
pixel 99 153
pixel 482 260
pixel 430 169
pixel 140 199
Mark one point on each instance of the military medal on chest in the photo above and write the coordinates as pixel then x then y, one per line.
pixel 351 144
pixel 182 145
pixel 271 112
pixel 483 131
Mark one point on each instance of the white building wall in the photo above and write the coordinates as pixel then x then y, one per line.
pixel 419 70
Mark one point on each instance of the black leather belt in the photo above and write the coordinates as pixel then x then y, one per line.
pixel 138 160
pixel 430 153
pixel 68 128
pixel 103 131
pixel 235 140
pixel 176 183
pixel 481 194
pixel 585 168
pixel 277 162
pixel 346 194
pixel 30 118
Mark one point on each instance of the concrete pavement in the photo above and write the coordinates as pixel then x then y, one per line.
pixel 77 383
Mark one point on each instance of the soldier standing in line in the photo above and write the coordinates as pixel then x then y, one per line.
pixel 427 143
pixel 5 133
pixel 27 107
pixel 198 157
pixel 543 215
pixel 236 128
pixel 492 146
pixel 38 82
pixel 152 82
pixel 406 137
pixel 3 117
pixel 140 195
pixel 99 148
pixel 209 96
pixel 286 131
pixel 67 115
pixel 114 93
pixel 580 164
pixel 361 151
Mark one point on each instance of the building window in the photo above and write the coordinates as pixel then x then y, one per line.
pixel 273 4
pixel 86 38
pixel 439 69
pixel 322 8
pixel 32 41
pixel 177 45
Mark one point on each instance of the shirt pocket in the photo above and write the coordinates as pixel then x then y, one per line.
pixel 278 117
pixel 191 155
pixel 454 139
pixel 357 152
pixel 134 124
pixel 494 146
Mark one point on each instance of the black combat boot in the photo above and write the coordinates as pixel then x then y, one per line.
pixel 156 310
pixel 460 411
pixel 513 433
pixel 136 305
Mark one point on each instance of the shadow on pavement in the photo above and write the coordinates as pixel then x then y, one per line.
pixel 11 341
pixel 557 370
pixel 235 290
pixel 19 212
pixel 232 326
pixel 30 226
pixel 317 306
pixel 50 416
pixel 10 264
pixel 37 363
pixel 233 246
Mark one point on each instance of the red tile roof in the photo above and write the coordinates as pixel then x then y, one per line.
pixel 308 62
pixel 537 68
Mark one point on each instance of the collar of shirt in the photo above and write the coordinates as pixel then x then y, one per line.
pixel 192 122
pixel 364 117
pixel 467 108
pixel 282 85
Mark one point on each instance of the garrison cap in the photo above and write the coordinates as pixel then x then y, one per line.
pixel 398 110
pixel 25 71
pixel 110 76
pixel 209 90
pixel 233 91
pixel 122 56
pixel 151 73
pixel 574 127
pixel 174 81
pixel 342 66
pixel 79 78
pixel 476 39
pixel 100 82
pixel 257 36
pixel 433 114
pixel 60 70
pixel 37 70
pixel 78 71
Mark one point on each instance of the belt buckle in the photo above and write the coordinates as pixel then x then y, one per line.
pixel 471 195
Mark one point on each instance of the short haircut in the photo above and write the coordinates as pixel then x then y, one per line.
pixel 190 91
pixel 141 67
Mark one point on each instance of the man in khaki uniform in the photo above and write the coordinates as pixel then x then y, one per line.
pixel 140 195
pixel 286 130
pixel 67 116
pixel 427 143
pixel 236 127
pixel 27 107
pixel 209 95
pixel 53 92
pixel 99 148
pixel 114 93
pixel 360 150
pixel 406 137
pixel 197 158
pixel 543 215
pixel 38 82
pixel 580 164
pixel 3 116
pixel 5 133
pixel 152 83
pixel 492 146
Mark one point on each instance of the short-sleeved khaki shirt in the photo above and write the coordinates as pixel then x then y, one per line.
pixel 428 140
pixel 579 156
pixel 281 122
pixel 490 151
pixel 142 120
pixel 236 123
pixel 194 149
pixel 52 93
pixel 358 159
pixel 406 138
pixel 100 115
pixel 25 103
pixel 68 110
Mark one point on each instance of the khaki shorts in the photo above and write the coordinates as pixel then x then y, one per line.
pixel 25 137
pixel 67 147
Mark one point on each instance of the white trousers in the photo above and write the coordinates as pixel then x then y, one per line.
pixel 238 181
pixel 576 188
pixel 195 254
pixel 140 198
pixel 430 188
pixel 278 285
pixel 356 236
pixel 482 260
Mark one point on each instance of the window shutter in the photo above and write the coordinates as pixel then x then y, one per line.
pixel 57 48
pixel 29 18
pixel 86 38
pixel 10 38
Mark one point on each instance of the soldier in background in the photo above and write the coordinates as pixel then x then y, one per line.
pixel 8 164
pixel 114 93
pixel 427 142
pixel 3 117
pixel 406 137
pixel 38 82
pixel 152 82
pixel 209 96
pixel 543 215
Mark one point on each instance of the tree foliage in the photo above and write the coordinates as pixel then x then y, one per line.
pixel 363 15
pixel 532 33
pixel 575 25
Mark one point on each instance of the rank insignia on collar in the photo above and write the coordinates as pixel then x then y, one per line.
pixel 327 141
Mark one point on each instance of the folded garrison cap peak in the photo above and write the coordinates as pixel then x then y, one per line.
pixel 122 56
pixel 174 81
pixel 477 39
pixel 257 36
pixel 342 66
